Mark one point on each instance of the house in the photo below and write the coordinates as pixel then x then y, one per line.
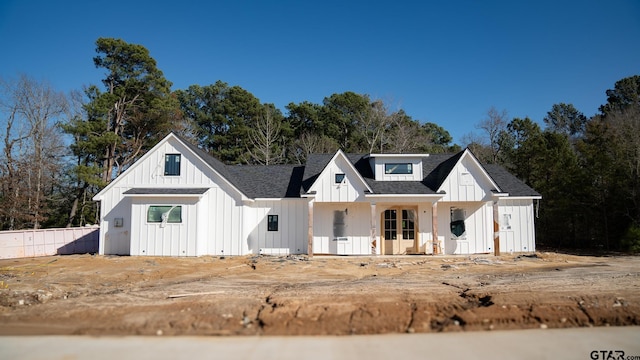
pixel 177 200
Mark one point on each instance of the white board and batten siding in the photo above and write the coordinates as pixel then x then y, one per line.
pixel 517 230
pixel 218 234
pixel 170 239
pixel 355 238
pixel 478 237
pixel 291 235
pixel 350 189
pixel 467 182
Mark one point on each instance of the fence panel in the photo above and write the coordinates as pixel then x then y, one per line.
pixel 46 242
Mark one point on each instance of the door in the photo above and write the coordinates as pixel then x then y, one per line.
pixel 399 231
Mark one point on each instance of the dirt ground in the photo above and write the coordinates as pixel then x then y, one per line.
pixel 295 295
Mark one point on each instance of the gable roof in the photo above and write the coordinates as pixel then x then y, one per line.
pixel 290 181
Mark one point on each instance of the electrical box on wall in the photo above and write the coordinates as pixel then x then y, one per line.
pixel 118 222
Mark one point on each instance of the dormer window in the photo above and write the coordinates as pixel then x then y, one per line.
pixel 398 168
pixel 172 164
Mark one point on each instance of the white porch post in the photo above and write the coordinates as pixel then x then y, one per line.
pixel 434 227
pixel 496 229
pixel 310 230
pixel 374 235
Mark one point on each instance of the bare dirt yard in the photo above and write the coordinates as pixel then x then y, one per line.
pixel 295 295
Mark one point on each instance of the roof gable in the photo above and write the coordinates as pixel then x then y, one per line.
pixel 339 160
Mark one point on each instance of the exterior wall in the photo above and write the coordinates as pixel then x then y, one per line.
pixel 461 187
pixel 351 189
pixel 223 224
pixel 149 172
pixel 291 237
pixel 46 242
pixel 378 168
pixel 172 239
pixel 517 233
pixel 478 224
pixel 357 239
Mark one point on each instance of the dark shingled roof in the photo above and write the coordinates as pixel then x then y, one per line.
pixel 272 181
pixel 166 191
pixel 280 181
pixel 509 183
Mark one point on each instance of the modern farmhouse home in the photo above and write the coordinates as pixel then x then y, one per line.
pixel 177 200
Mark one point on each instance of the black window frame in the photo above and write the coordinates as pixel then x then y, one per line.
pixel 339 178
pixel 171 165
pixel 174 216
pixel 272 222
pixel 392 168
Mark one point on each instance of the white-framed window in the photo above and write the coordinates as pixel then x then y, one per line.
pixel 398 168
pixel 171 214
pixel 172 164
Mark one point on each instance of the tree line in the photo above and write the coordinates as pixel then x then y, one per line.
pixel 60 149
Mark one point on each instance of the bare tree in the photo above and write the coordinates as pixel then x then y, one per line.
pixel 32 146
pixel 374 122
pixel 266 138
pixel 493 125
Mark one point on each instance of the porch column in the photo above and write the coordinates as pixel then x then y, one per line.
pixel 496 229
pixel 373 228
pixel 434 227
pixel 310 230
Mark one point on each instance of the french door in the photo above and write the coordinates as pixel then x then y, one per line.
pixel 399 230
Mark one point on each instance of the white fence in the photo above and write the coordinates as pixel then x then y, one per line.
pixel 45 242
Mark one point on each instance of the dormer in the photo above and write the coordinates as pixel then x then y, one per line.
pixel 397 167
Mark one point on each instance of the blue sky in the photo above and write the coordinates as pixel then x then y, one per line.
pixel 445 62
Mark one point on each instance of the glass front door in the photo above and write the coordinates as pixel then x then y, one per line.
pixel 400 228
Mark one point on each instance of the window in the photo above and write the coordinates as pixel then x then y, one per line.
pixel 398 168
pixel 505 224
pixel 390 225
pixel 458 229
pixel 272 223
pixel 172 164
pixel 339 178
pixel 164 213
pixel 408 224
pixel 339 223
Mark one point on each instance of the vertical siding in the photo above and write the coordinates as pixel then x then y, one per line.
pixel 291 237
pixel 478 224
pixel 476 191
pixel 327 190
pixel 358 229
pixel 380 174
pixel 224 223
pixel 520 237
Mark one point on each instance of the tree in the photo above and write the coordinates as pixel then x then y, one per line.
pixel 625 93
pixel 266 138
pixel 135 107
pixel 493 125
pixel 565 119
pixel 33 150
pixel 340 114
pixel 221 118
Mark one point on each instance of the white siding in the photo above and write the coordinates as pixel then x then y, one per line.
pixel 466 182
pixel 222 226
pixel 378 167
pixel 478 224
pixel 291 236
pixel 357 239
pixel 519 234
pixel 351 189
pixel 172 239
